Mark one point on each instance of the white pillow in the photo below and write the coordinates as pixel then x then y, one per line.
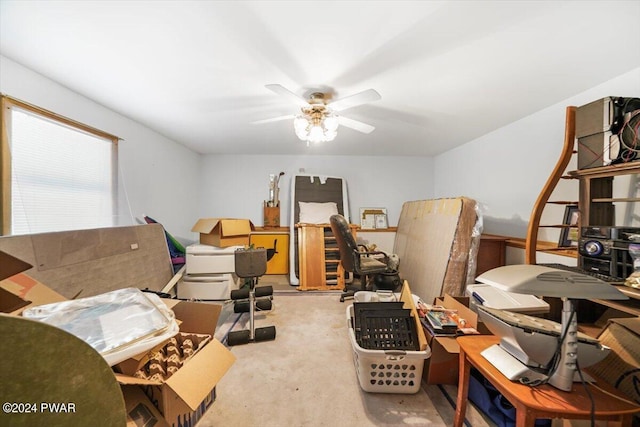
pixel 317 213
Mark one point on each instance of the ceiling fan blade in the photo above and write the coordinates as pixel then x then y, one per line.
pixel 356 125
pixel 273 119
pixel 283 91
pixel 360 98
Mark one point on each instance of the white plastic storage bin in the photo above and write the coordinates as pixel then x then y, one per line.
pixel 216 287
pixel 386 371
pixel 206 259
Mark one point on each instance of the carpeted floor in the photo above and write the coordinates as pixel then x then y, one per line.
pixel 306 376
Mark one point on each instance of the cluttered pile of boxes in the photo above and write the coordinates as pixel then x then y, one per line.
pixel 179 399
pixel 162 351
pixel 210 268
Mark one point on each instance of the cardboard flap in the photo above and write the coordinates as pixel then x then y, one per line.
pixel 631 323
pixel 235 227
pixel 194 381
pixel 449 343
pixel 10 265
pixel 196 317
pixel 31 290
pixel 205 225
pixel 407 298
pixel 10 302
pixel 127 380
pixel 464 312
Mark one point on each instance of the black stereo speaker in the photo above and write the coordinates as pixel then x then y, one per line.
pixel 607 131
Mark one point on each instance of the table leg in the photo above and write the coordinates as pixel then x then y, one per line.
pixel 463 389
pixel 525 417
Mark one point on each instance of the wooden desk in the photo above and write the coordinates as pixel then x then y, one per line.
pixel 537 402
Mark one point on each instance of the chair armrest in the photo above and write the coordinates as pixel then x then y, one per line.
pixel 367 253
pixel 384 256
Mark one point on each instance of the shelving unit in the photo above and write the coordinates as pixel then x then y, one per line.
pixel 599 205
pixel 319 257
pixel 597 192
pixel 559 173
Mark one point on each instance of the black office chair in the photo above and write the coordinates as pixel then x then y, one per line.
pixel 352 259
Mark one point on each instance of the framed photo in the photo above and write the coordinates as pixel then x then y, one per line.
pixel 381 221
pixel 569 234
pixel 372 218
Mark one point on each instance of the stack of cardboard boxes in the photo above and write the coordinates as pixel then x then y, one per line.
pixel 210 265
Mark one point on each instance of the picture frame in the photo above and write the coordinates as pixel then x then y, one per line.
pixel 381 221
pixel 373 218
pixel 569 234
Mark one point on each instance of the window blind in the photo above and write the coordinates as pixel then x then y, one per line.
pixel 62 178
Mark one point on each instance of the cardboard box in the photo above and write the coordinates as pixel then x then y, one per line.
pixel 140 410
pixel 185 396
pixel 442 366
pixel 621 368
pixel 19 291
pixel 223 232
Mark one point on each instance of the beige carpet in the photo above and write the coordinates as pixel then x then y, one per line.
pixel 306 376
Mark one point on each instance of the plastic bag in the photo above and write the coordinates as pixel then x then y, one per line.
pixel 117 324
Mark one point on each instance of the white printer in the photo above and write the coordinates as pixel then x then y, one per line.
pixel 492 297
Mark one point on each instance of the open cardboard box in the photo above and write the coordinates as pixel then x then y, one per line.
pixel 442 366
pixel 621 368
pixel 188 392
pixel 19 291
pixel 223 232
pixel 140 410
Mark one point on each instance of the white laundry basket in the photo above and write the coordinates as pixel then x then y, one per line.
pixel 386 371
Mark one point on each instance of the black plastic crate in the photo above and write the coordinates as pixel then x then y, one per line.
pixel 392 329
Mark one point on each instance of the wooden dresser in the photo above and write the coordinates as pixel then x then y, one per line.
pixel 491 253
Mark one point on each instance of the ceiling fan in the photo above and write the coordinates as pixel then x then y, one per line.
pixel 318 121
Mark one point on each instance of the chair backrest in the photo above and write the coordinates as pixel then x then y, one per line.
pixel 346 243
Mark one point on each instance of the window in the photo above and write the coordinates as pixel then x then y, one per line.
pixel 57 174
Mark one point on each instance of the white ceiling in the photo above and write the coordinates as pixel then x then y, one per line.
pixel 448 72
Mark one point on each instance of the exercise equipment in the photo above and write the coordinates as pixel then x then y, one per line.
pixel 250 264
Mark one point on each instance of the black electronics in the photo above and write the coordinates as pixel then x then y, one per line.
pixel 605 250
pixel 607 132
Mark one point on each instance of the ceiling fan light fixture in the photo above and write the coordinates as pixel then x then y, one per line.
pixel 315 127
pixel 331 122
pixel 317 121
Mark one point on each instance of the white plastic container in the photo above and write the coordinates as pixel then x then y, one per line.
pixel 206 259
pixel 207 287
pixel 386 371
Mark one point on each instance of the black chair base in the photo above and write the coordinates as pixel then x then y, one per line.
pixel 347 295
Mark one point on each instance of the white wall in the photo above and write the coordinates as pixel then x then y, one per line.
pixel 236 186
pixel 505 170
pixel 161 177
